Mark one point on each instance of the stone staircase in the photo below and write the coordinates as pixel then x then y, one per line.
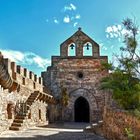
pixel 19 119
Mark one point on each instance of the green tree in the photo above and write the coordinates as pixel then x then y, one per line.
pixel 124 79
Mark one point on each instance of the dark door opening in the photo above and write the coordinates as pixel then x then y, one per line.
pixel 81 110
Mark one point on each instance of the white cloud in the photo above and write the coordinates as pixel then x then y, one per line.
pixel 69 16
pixel 109 29
pixel 26 58
pixel 70 7
pixel 75 24
pixel 77 16
pixel 119 27
pixel 116 31
pixel 73 6
pixel 103 47
pixel 66 19
pixel 56 21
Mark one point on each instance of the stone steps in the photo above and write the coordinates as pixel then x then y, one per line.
pixel 18 121
pixel 21 117
pixel 15 128
pixel 16 124
pixel 31 98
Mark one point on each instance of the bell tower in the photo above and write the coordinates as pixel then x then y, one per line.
pixel 78 41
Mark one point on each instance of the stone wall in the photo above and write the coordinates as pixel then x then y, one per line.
pixel 116 121
pixel 23 76
pixel 5 99
pixel 8 103
pixel 65 71
pixel 27 84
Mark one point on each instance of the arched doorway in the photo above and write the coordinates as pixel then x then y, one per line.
pixel 81 110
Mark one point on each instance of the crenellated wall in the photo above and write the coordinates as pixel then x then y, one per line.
pixel 26 88
pixel 23 76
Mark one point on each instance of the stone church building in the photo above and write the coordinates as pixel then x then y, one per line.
pixel 28 100
pixel 80 73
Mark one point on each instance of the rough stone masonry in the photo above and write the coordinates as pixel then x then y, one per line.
pixel 80 74
pixel 27 100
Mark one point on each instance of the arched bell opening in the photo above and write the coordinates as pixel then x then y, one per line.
pixel 81 110
pixel 72 49
pixel 87 49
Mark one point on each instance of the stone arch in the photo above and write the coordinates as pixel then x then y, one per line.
pixel 88 91
pixel 88 95
pixel 71 49
pixel 87 49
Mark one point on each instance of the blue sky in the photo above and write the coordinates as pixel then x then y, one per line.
pixel 32 30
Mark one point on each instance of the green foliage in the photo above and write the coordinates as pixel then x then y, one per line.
pixel 124 81
pixel 130 134
pixel 107 66
pixel 136 113
pixel 126 89
pixel 64 97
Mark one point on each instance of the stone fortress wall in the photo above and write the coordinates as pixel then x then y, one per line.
pixel 24 92
pixel 23 76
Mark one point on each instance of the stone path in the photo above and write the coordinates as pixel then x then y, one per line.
pixel 67 131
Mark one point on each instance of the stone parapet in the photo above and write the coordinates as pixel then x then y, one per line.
pixel 56 59
pixel 23 76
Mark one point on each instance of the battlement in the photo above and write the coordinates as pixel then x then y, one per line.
pixel 23 76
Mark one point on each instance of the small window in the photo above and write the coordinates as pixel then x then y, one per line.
pixel 72 50
pixel 80 75
pixel 34 86
pixel 23 81
pixel 39 114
